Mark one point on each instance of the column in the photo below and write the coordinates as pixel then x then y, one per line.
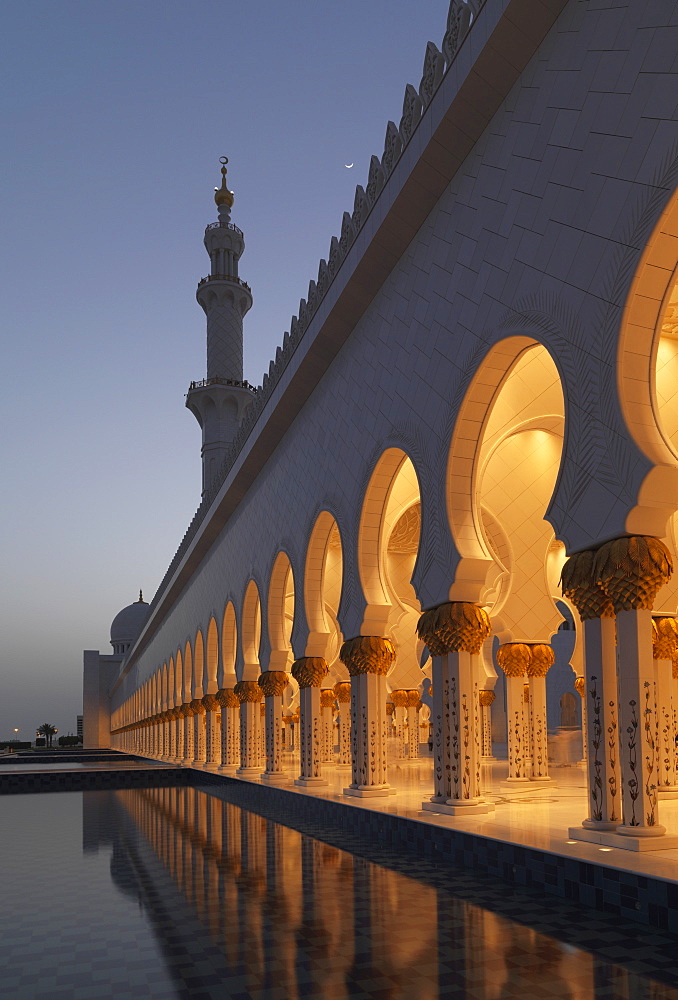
pixel 580 688
pixel 513 658
pixel 309 672
pixel 230 731
pixel 198 710
pixel 342 692
pixel 327 724
pixel 664 649
pixel 542 658
pixel 249 695
pixel 399 699
pixel 413 706
pixel 486 698
pixel 368 659
pixel 172 734
pixel 261 734
pixel 273 683
pixel 187 712
pixel 212 740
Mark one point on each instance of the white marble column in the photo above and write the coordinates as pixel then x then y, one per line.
pixel 542 659
pixel 486 698
pixel 413 706
pixel 309 672
pixel 664 649
pixel 212 735
pixel 513 658
pixel 229 731
pixel 249 695
pixel 273 683
pixel 327 698
pixel 342 691
pixel 399 699
pixel 368 660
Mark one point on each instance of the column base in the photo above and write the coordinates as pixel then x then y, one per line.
pixel 210 766
pixel 453 808
pixel 275 777
pixel 601 826
pixel 185 761
pixel 310 782
pixel 227 769
pixel 544 781
pixel 344 767
pixel 624 842
pixel 668 791
pixel 248 772
pixel 369 791
pixel 515 784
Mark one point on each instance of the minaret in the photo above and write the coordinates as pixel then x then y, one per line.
pixel 219 401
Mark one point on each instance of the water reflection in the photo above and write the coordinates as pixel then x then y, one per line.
pixel 243 906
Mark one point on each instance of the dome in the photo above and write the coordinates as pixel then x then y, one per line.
pixel 127 624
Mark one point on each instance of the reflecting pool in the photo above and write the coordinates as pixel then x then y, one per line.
pixel 178 892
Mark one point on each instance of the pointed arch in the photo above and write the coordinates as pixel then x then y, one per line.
pixel 280 608
pixel 212 657
pixel 229 647
pixel 250 631
pixel 198 665
pixel 323 582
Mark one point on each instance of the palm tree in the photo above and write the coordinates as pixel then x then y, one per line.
pixel 48 731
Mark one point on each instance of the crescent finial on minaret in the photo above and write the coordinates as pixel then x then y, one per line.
pixel 222 196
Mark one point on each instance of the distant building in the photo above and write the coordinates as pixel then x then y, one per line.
pixel 79 727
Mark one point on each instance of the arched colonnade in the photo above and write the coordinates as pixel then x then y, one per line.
pixel 349 700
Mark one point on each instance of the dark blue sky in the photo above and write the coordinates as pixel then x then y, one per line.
pixel 113 116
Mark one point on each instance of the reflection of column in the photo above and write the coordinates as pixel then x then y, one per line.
pixel 309 672
pixel 413 706
pixel 212 742
pixel 342 691
pixel 327 724
pixel 454 633
pixel 542 658
pixel 664 648
pixel 230 730
pixel 399 699
pixel 486 698
pixel 198 733
pixel 368 660
pixel 249 696
pixel 513 658
pixel 273 683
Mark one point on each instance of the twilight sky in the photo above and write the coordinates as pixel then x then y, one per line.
pixel 113 117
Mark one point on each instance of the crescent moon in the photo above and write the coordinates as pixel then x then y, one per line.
pixel 348 165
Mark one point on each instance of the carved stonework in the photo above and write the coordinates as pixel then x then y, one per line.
pixel 342 692
pixel 393 145
pixel 458 24
pixel 405 535
pixel 210 703
pixel 486 698
pixel 327 697
pixel 632 570
pixel 227 698
pixel 664 638
pixel 310 671
pixel 578 584
pixel 197 707
pixel 247 691
pixel 542 658
pixel 367 654
pixel 434 67
pixel 454 626
pixel 375 180
pixel 411 113
pixel 273 683
pixel 513 658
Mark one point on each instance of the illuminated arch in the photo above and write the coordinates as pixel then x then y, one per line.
pixel 280 610
pixel 198 665
pixel 212 657
pixel 188 672
pixel 250 631
pixel 229 647
pixel 323 581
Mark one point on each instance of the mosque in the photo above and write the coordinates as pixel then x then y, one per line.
pixel 445 522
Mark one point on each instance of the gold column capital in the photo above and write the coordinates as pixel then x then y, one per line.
pixel 580 686
pixel 327 697
pixel 342 691
pixel 413 698
pixel 227 698
pixel 542 659
pixel 399 698
pixel 197 707
pixel 579 585
pixel 367 654
pixel 273 682
pixel 486 698
pixel 248 691
pixel 664 638
pixel 632 569
pixel 210 703
pixel 454 626
pixel 513 658
pixel 310 671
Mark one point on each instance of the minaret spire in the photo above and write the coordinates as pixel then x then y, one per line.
pixel 219 401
